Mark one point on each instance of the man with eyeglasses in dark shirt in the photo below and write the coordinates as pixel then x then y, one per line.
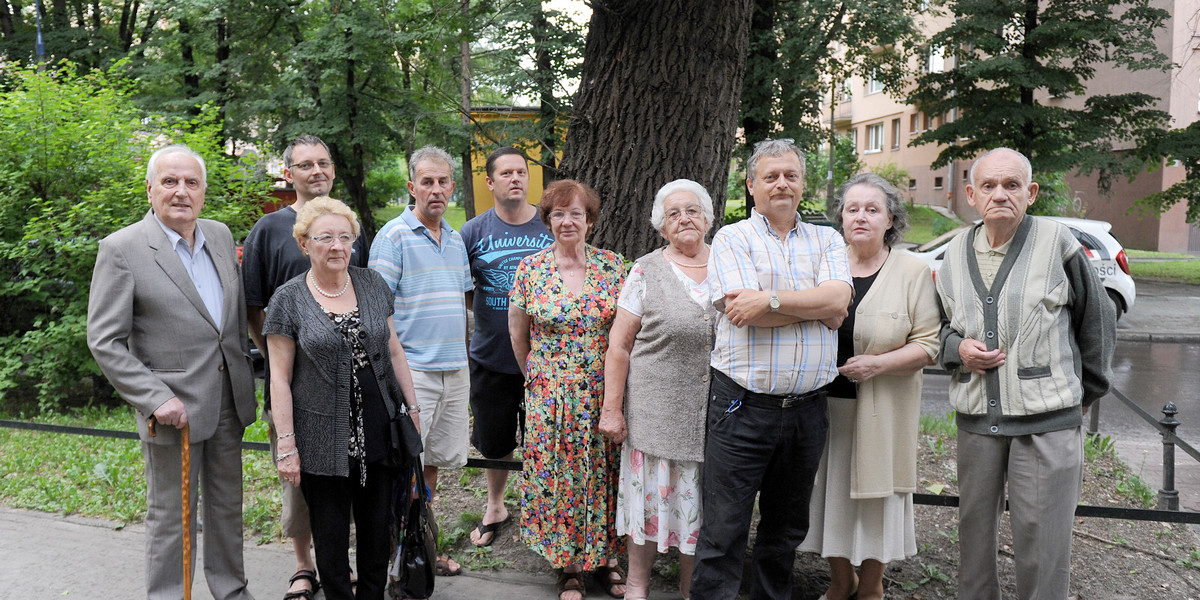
pixel 270 257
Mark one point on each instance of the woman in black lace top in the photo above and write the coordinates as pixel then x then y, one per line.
pixel 338 378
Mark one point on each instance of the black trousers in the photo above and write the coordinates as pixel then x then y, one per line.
pixel 330 503
pixel 771 452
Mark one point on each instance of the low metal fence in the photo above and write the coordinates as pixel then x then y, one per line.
pixel 1168 497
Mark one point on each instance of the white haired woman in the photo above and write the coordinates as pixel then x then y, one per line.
pixel 656 386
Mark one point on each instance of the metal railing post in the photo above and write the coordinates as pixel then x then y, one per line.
pixel 1168 496
pixel 1093 429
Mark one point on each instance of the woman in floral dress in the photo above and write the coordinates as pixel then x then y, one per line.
pixel 656 387
pixel 562 304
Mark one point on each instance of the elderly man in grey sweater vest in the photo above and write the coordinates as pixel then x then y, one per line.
pixel 1028 336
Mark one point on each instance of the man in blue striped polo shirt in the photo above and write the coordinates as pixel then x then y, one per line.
pixel 425 263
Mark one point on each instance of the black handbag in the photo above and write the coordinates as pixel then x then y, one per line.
pixel 406 441
pixel 415 561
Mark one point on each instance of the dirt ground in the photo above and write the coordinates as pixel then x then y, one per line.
pixel 1111 559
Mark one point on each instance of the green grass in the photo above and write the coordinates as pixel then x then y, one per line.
pixel 1150 254
pixel 455 215
pixel 1183 271
pixel 924 224
pixel 103 477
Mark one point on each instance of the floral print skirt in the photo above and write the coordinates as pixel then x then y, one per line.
pixel 658 500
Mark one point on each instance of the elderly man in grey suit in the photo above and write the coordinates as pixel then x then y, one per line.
pixel 167 325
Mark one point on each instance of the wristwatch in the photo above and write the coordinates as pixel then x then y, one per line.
pixel 774 302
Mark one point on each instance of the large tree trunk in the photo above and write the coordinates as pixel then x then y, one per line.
pixel 658 100
pixel 6 20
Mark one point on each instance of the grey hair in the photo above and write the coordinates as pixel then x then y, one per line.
pixel 151 170
pixel 891 201
pixel 304 140
pixel 1024 161
pixel 657 214
pixel 428 153
pixel 770 147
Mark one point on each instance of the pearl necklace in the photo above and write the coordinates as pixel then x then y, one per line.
pixel 325 293
pixel 699 266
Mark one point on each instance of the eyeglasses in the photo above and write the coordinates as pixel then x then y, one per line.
pixel 559 216
pixel 691 212
pixel 308 165
pixel 344 239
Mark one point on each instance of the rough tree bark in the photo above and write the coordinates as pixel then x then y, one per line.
pixel 658 100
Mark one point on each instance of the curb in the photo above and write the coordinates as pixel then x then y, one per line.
pixel 1162 338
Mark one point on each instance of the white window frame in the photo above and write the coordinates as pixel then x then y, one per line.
pixel 874 138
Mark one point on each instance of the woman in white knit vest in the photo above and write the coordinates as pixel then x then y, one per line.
pixel 861 512
pixel 656 386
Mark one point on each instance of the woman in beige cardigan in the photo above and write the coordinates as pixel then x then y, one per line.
pixel 861 513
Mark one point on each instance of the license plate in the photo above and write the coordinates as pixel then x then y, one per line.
pixel 1105 269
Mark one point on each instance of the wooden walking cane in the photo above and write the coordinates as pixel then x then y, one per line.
pixel 186 492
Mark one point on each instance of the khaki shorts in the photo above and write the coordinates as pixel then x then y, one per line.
pixel 443 398
pixel 294 521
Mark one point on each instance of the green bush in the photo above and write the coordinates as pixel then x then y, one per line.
pixel 73 152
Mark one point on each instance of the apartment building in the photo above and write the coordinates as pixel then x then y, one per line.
pixel 882 128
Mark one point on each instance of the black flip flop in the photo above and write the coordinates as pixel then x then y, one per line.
pixel 492 528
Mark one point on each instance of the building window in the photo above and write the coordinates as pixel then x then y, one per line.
pixel 914 123
pixel 853 135
pixel 937 183
pixel 874 86
pixel 926 122
pixel 846 95
pixel 895 134
pixel 935 60
pixel 966 174
pixel 874 138
pixel 912 184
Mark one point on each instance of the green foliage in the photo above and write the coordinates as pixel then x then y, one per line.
pixel 1183 146
pixel 943 426
pixel 1006 56
pixel 73 152
pixel 1055 197
pixel 894 174
pixel 103 477
pixel 816 172
pixel 943 225
pixel 1095 447
pixel 797 48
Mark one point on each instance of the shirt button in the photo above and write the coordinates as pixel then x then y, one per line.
pixel 221 368
pixel 995 429
pixel 992 402
pixel 704 378
pixel 989 299
pixel 991 334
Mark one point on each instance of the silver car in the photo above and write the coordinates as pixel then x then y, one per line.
pixel 1107 254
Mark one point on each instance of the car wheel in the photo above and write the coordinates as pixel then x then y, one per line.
pixel 1118 303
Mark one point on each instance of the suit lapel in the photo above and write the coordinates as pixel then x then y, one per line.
pixel 169 262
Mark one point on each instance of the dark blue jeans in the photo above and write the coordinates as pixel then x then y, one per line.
pixel 752 450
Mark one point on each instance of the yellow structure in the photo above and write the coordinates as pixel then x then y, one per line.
pixel 497 120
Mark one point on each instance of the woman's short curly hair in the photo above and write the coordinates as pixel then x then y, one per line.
pixel 319 207
pixel 892 202
pixel 562 192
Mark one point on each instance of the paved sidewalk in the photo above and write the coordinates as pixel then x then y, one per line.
pixel 48 556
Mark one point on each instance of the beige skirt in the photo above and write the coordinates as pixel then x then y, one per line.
pixel 877 528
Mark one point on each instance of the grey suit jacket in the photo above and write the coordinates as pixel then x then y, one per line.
pixel 152 336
